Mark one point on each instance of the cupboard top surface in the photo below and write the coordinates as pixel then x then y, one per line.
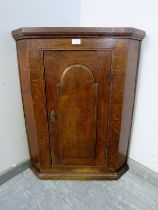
pixel 50 32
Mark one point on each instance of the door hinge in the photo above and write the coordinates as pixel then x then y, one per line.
pixel 110 78
pixel 106 154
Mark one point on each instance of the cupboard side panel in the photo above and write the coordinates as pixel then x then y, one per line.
pixel 128 102
pixel 118 69
pixel 25 81
pixel 39 101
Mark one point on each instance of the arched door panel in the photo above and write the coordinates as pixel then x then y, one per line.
pixel 77 96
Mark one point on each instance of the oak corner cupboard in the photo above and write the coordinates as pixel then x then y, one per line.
pixel 78 89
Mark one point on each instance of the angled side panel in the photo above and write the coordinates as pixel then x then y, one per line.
pixel 128 102
pixel 25 80
pixel 39 102
pixel 119 65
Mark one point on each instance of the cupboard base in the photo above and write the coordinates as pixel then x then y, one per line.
pixel 80 176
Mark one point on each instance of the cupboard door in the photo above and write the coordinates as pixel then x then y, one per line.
pixel 77 89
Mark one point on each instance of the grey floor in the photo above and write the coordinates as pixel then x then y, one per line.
pixel 27 192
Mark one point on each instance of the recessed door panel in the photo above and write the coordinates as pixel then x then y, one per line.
pixel 77 91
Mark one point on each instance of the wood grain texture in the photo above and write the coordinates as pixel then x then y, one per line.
pixel 77 125
pixel 51 32
pixel 80 175
pixel 91 89
pixel 25 81
pixel 83 95
pixel 119 62
pixel 128 100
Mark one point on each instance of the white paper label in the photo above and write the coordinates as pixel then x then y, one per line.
pixel 76 41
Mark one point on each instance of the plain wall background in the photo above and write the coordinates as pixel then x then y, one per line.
pixel 15 14
pixel 143 15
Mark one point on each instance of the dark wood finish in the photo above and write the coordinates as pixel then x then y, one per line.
pixel 79 95
pixel 49 32
pixel 80 175
pixel 91 89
